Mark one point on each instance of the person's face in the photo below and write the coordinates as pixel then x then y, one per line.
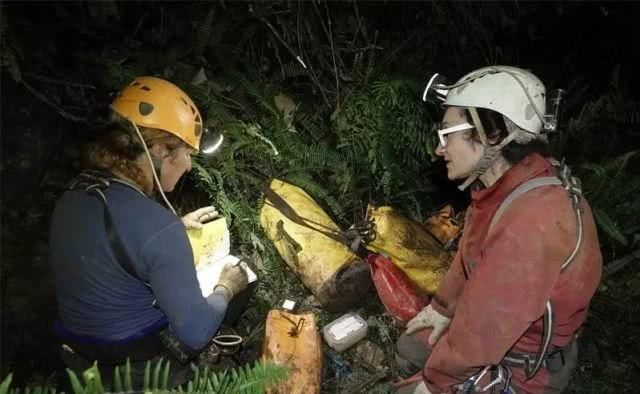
pixel 461 152
pixel 174 166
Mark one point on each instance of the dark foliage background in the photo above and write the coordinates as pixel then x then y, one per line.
pixel 349 128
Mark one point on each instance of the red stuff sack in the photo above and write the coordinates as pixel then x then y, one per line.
pixel 395 290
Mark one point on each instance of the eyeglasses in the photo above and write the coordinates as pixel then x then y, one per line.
pixel 442 133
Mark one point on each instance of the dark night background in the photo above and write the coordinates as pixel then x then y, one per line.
pixel 62 61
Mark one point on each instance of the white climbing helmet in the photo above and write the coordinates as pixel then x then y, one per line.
pixel 516 94
pixel 513 92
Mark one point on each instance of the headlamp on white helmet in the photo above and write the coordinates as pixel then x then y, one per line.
pixel 515 93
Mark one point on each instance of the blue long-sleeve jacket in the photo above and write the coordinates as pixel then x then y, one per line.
pixel 97 298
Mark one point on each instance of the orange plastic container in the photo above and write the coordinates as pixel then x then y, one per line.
pixel 294 340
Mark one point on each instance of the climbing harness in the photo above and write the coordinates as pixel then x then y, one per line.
pixel 532 363
pixel 500 374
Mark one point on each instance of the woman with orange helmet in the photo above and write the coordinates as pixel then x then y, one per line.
pixel 123 266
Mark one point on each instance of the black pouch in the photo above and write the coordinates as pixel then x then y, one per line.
pixel 555 360
pixel 179 350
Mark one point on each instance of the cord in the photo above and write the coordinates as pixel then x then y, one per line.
pixel 153 169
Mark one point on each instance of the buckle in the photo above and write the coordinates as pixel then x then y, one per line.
pixel 528 362
pixel 91 179
pixel 555 360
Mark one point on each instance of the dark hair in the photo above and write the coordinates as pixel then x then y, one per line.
pixel 495 128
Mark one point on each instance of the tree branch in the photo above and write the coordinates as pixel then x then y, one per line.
pixel 58 81
pixel 50 103
pixel 275 32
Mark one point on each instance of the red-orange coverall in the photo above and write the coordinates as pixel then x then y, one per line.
pixel 498 284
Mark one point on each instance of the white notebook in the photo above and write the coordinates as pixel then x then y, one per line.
pixel 209 270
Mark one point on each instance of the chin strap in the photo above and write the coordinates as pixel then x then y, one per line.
pixel 157 166
pixel 492 152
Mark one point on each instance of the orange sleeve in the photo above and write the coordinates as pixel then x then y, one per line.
pixel 445 300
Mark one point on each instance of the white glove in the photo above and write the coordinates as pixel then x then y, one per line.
pixel 428 317
pixel 196 218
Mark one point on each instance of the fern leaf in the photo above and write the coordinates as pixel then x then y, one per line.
pixel 609 226
pixel 155 384
pixel 6 383
pixel 127 376
pixel 75 383
pixel 147 376
pixel 288 71
pixel 117 380
pixel 165 375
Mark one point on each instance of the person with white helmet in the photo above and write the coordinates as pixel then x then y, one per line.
pixel 123 266
pixel 506 315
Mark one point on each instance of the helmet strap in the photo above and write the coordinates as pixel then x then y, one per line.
pixel 154 164
pixel 491 154
pixel 157 165
pixel 478 125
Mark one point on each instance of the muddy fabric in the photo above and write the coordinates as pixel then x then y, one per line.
pixel 500 282
pixel 559 380
pixel 413 351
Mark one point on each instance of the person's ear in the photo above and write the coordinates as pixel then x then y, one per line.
pixel 158 151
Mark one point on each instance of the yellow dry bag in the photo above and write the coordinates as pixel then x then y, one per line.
pixel 410 246
pixel 312 246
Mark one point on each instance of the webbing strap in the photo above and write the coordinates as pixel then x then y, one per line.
pixel 279 203
pixel 531 370
pixel 115 241
pixel 520 190
pixel 96 183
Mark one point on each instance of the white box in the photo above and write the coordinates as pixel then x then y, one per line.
pixel 345 331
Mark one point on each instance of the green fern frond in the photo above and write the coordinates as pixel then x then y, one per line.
pixel 305 182
pixel 76 386
pixel 6 383
pixel 609 226
pixel 288 71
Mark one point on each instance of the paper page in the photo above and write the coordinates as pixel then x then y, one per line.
pixel 208 271
pixel 212 239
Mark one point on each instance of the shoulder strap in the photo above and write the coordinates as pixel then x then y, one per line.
pixel 96 182
pixel 115 241
pixel 572 185
pixel 520 190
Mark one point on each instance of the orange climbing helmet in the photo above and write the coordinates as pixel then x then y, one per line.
pixel 155 103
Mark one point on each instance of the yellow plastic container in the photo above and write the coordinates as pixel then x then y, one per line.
pixel 410 246
pixel 293 340
pixel 304 236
